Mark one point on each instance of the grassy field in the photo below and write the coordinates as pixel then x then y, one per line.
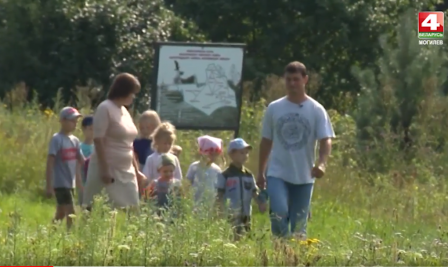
pixel 360 217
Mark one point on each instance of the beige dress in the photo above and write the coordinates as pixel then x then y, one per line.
pixel 116 127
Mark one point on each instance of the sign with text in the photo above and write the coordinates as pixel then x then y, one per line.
pixel 198 85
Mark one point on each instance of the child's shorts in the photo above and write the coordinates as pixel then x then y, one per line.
pixel 64 196
pixel 241 224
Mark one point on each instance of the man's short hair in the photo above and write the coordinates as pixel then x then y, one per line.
pixel 296 67
pixel 123 85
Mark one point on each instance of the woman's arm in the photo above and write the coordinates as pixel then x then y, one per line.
pixel 102 120
pixel 135 163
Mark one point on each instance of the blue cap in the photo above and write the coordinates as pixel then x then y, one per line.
pixel 87 121
pixel 236 144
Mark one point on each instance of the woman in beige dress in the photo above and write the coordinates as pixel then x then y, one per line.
pixel 112 164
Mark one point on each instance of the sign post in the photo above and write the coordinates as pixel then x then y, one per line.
pixel 198 86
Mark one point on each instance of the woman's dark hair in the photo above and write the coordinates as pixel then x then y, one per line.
pixel 123 85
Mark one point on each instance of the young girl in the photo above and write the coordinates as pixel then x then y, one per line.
pixel 165 185
pixel 147 123
pixel 163 139
pixel 203 174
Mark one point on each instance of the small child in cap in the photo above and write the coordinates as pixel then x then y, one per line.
pixel 237 185
pixel 64 160
pixel 87 148
pixel 164 188
pixel 87 130
pixel 203 174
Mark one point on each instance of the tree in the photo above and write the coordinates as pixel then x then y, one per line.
pixel 395 99
pixel 52 44
pixel 328 36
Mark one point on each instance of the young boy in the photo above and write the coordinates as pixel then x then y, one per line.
pixel 237 184
pixel 148 122
pixel 166 186
pixel 87 130
pixel 86 149
pixel 63 162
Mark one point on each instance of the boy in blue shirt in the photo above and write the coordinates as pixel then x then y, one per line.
pixel 63 160
pixel 237 184
pixel 87 129
pixel 86 147
pixel 148 122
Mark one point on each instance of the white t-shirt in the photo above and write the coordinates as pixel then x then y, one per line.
pixel 294 130
pixel 204 181
pixel 151 164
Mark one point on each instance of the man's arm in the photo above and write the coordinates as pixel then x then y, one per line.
pixel 324 131
pixel 324 151
pixel 267 133
pixel 265 150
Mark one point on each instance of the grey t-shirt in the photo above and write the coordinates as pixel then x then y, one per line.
pixel 203 181
pixel 66 151
pixel 294 130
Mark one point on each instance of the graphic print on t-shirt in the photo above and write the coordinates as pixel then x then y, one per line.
pixel 293 131
pixel 68 153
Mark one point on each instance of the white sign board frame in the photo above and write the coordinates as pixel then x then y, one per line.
pixel 198 86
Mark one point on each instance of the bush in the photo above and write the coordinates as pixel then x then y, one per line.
pixel 61 44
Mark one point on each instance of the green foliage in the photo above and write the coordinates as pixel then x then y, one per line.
pixel 392 102
pixel 328 36
pixel 390 221
pixel 52 44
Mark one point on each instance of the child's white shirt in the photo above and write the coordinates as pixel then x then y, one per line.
pixel 152 163
pixel 204 181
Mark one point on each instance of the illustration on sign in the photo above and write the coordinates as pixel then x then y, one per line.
pixel 199 86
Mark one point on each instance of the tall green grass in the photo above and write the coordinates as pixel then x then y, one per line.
pixel 360 217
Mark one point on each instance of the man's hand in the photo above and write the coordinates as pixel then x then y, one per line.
pixel 318 171
pixel 261 181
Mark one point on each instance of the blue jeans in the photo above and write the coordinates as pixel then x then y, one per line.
pixel 289 206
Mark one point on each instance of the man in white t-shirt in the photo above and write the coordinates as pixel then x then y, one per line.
pixel 292 125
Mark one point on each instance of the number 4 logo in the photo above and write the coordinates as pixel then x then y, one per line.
pixel 430 22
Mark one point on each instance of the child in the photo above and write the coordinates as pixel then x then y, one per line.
pixel 203 174
pixel 176 150
pixel 237 184
pixel 147 123
pixel 86 149
pixel 64 155
pixel 87 130
pixel 163 139
pixel 165 186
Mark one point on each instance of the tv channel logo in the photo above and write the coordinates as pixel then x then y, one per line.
pixel 430 25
